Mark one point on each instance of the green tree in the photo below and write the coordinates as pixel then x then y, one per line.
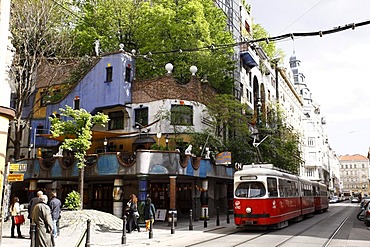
pixel 282 147
pixel 269 47
pixel 156 27
pixel 77 132
pixel 232 122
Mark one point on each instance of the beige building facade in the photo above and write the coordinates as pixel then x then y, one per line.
pixel 354 173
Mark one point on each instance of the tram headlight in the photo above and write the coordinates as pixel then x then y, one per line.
pixel 248 210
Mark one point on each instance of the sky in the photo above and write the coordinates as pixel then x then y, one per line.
pixel 336 66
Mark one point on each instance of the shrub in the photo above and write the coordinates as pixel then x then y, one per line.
pixel 72 201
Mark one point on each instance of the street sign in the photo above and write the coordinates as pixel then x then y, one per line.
pixel 18 167
pixel 15 177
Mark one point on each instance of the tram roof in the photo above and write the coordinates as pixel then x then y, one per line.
pixel 264 170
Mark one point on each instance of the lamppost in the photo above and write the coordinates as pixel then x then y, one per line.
pixel 159 135
pixel 105 145
pixel 166 142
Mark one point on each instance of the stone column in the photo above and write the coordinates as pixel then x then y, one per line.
pixel 118 198
pixel 172 209
pixel 204 199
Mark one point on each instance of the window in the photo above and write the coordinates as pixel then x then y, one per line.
pixel 128 73
pixel 108 74
pixel 181 115
pixel 250 190
pixel 116 120
pixel 311 141
pixel 141 116
pixel 272 187
pixel 76 103
pixel 311 156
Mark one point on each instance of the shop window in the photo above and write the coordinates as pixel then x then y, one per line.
pixel 181 115
pixel 116 120
pixel 141 116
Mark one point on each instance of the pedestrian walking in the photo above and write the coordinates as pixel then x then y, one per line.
pixel 32 204
pixel 15 210
pixel 41 216
pixel 133 214
pixel 149 213
pixel 55 205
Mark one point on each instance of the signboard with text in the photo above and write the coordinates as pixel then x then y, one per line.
pixel 18 167
pixel 15 177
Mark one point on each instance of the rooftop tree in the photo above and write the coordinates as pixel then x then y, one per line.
pixel 76 128
pixel 182 32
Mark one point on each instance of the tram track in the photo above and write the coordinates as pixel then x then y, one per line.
pixel 227 241
pixel 330 238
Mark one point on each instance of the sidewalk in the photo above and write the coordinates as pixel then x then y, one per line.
pixel 106 230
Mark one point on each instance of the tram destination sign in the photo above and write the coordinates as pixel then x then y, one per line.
pixel 18 167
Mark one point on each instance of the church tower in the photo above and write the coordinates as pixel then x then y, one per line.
pixel 300 79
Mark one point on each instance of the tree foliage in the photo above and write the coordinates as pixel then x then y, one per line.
pixel 156 27
pixel 269 47
pixel 76 130
pixel 282 147
pixel 232 120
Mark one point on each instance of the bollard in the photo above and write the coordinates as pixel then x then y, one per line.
pixel 33 235
pixel 151 227
pixel 88 233
pixel 123 239
pixel 173 223
pixel 191 220
pixel 218 216
pixel 205 218
pixel 227 217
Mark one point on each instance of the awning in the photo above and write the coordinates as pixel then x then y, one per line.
pixel 142 140
pixel 96 135
pixel 248 60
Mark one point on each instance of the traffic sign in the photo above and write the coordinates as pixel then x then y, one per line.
pixel 18 167
pixel 15 177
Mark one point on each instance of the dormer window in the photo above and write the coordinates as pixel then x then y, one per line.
pixel 108 73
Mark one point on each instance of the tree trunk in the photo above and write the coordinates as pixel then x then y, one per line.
pixel 81 174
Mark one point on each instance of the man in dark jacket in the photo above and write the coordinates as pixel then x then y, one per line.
pixel 55 206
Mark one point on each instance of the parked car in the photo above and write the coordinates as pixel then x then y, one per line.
pixel 334 199
pixel 366 209
pixel 355 200
pixel 364 201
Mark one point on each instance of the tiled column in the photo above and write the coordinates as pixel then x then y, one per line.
pixel 204 199
pixel 118 197
pixel 172 208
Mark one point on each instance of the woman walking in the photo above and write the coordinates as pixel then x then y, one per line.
pixel 133 214
pixel 15 210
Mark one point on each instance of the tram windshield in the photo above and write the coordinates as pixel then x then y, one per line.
pixel 250 190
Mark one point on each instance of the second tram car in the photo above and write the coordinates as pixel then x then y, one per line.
pixel 269 198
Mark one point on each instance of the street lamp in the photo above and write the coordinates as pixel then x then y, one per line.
pixel 105 145
pixel 166 142
pixel 159 135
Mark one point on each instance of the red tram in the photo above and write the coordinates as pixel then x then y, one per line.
pixel 265 197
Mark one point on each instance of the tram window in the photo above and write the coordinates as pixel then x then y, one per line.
pixel 250 190
pixel 272 187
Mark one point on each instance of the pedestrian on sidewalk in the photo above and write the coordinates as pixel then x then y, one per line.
pixel 55 205
pixel 41 216
pixel 133 214
pixel 149 213
pixel 15 210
